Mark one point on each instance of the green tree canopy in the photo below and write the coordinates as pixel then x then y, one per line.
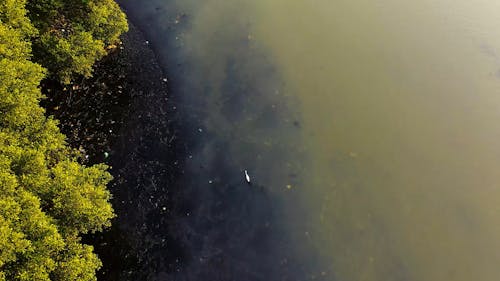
pixel 73 34
pixel 47 199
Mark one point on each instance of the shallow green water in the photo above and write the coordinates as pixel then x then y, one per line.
pixel 397 104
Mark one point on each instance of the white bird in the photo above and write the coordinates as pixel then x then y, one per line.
pixel 247 177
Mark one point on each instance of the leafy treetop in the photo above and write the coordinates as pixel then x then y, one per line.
pixel 48 199
pixel 73 34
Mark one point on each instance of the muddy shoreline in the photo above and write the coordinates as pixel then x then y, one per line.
pixel 121 117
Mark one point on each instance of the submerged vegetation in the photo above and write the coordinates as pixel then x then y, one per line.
pixel 47 198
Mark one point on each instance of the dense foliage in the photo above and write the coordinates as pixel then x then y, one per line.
pixel 48 199
pixel 73 34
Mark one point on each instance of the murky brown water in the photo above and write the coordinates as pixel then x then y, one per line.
pixel 382 117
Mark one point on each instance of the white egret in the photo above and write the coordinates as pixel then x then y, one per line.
pixel 247 177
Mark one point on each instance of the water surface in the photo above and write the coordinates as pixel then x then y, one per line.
pixel 371 128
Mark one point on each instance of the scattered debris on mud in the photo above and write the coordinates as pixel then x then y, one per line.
pixel 119 117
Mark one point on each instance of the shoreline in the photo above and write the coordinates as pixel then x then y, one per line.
pixel 173 222
pixel 121 117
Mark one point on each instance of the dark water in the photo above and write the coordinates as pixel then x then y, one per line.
pixel 223 227
pixel 369 130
